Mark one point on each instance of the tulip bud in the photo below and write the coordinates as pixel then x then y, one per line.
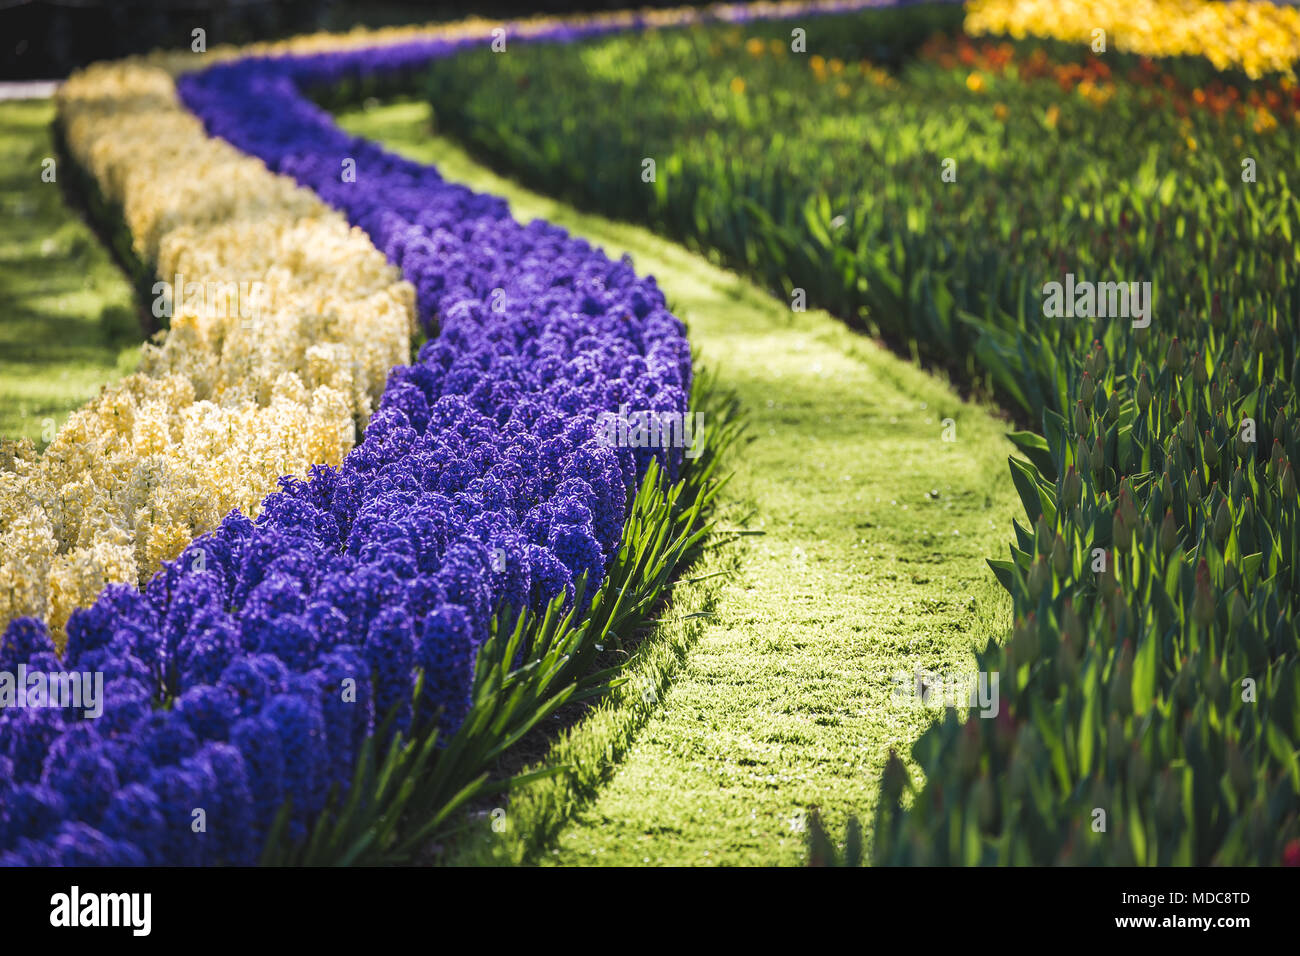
pixel 1211 451
pixel 1238 362
pixel 1120 531
pixel 1097 456
pixel 1098 359
pixel 1218 317
pixel 1042 536
pixel 1222 523
pixel 1199 375
pixel 1067 664
pixel 1143 392
pixel 1187 429
pixel 1237 611
pixel 1214 684
pixel 1279 427
pixel 1275 459
pixel 1025 640
pixel 1288 480
pixel 1194 488
pixel 1060 557
pixel 1126 503
pixel 1039 575
pixel 1072 486
pixel 1120 613
pixel 1242 446
pixel 1087 388
pixel 1174 357
pixel 1260 338
pixel 1081 419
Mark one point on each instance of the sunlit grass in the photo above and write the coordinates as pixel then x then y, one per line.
pixel 67 320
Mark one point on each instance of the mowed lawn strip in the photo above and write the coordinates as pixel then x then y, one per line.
pixel 67 314
pixel 870 564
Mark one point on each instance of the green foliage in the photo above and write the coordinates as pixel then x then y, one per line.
pixel 68 322
pixel 1163 688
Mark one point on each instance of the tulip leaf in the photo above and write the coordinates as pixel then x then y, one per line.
pixel 1145 667
pixel 1088 726
pixel 1035 448
pixel 1022 476
pixel 1002 571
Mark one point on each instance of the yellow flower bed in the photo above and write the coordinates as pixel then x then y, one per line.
pixel 1253 36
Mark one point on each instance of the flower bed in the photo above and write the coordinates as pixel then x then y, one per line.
pixel 481 487
pixel 1254 37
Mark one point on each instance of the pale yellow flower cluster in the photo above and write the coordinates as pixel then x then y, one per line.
pixel 1251 35
pixel 135 475
pixel 235 394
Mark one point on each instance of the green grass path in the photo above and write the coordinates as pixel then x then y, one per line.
pixel 871 563
pixel 67 314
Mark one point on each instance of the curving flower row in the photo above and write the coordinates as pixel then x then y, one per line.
pixel 1254 36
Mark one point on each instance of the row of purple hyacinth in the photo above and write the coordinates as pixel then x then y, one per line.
pixel 253 668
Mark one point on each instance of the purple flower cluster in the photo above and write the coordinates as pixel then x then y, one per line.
pixel 250 671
